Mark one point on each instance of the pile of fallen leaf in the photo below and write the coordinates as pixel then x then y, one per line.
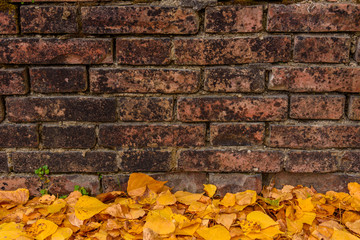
pixel 150 211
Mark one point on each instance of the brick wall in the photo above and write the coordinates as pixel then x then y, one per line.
pixel 188 91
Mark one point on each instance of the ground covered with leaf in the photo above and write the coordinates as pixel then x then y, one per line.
pixel 150 211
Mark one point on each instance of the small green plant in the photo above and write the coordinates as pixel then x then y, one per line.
pixel 82 190
pixel 43 174
pixel 63 196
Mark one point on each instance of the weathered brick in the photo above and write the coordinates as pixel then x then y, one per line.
pixel 230 160
pixel 88 109
pixel 3 162
pixel 130 80
pixel 64 184
pixel 139 19
pixel 350 161
pixel 2 111
pixel 13 81
pixel 215 51
pixel 357 53
pixel 151 135
pixel 10 183
pixel 317 106
pixel 233 19
pixel 68 136
pixel 354 108
pixel 143 51
pixel 151 109
pixel 58 79
pixel 212 108
pixel 235 182
pixel 56 1
pixel 315 79
pixel 237 134
pixel 48 19
pixel 314 17
pixel 14 136
pixel 8 22
pixel 313 49
pixel 64 162
pixel 228 79
pixel 314 136
pixel 311 161
pixel 146 160
pixel 55 51
pixel 322 182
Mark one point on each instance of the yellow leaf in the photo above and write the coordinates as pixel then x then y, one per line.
pixel 20 196
pixel 261 218
pixel 225 219
pixel 210 189
pixel 42 229
pixel 101 235
pixel 11 231
pixel 197 207
pixel 56 206
pixel 228 200
pixel 186 197
pixel 342 235
pixel 86 207
pixel 306 205
pixel 62 233
pixel 160 221
pixel 138 182
pixel 354 226
pixel 354 188
pixel 216 232
pixel 166 198
pixel 246 198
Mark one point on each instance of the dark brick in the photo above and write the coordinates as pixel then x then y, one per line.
pixel 55 51
pixel 235 182
pixel 88 109
pixel 65 162
pixel 139 19
pixel 315 79
pixel 313 49
pixel 16 136
pixel 215 51
pixel 311 161
pixel 237 134
pixel 314 17
pixel 11 183
pixel 354 108
pixel 145 109
pixel 314 136
pixel 48 19
pixel 58 79
pixel 230 160
pixel 8 22
pixel 143 51
pixel 233 19
pixel 226 79
pixel 350 161
pixel 13 81
pixel 148 160
pixel 357 53
pixel 272 108
pixel 115 80
pixel 130 135
pixel 68 136
pixel 3 162
pixel 317 106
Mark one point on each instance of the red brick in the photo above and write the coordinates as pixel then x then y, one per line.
pixel 311 161
pixel 314 49
pixel 237 134
pixel 317 106
pixel 130 80
pixel 139 19
pixel 16 136
pixel 322 182
pixel 230 160
pixel 2 111
pixel 13 81
pixel 233 19
pixel 314 136
pixel 354 108
pixel 357 53
pixel 68 136
pixel 153 109
pixel 57 1
pixel 154 135
pixel 143 51
pixel 146 160
pixel 8 22
pixel 314 17
pixel 58 79
pixel 350 161
pixel 55 51
pixel 235 182
pixel 64 162
pixel 3 162
pixel 213 108
pixel 315 79
pixel 48 19
pixel 229 79
pixel 88 109
pixel 215 51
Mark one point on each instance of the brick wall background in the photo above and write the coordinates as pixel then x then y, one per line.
pixel 188 91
